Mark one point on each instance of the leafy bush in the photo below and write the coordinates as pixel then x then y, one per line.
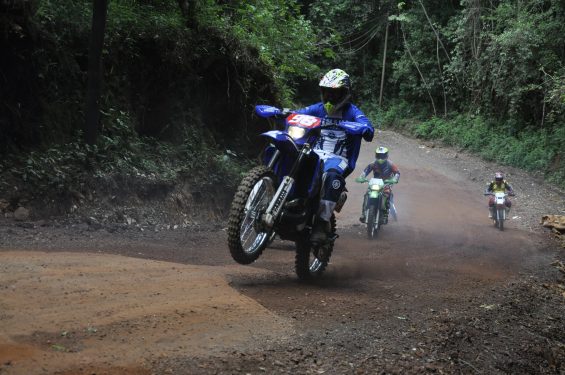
pixel 531 149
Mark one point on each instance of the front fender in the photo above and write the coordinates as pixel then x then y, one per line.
pixel 276 135
pixel 373 201
pixel 373 194
pixel 282 141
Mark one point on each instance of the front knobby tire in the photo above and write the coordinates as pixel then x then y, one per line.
pixel 500 219
pixel 247 237
pixel 308 265
pixel 373 218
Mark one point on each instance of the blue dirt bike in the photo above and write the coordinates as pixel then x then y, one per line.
pixel 283 195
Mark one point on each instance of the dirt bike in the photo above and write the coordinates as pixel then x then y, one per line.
pixel 376 213
pixel 499 209
pixel 282 196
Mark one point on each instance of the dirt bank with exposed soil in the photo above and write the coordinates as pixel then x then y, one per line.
pixel 439 291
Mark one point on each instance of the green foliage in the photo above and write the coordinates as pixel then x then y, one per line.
pixel 349 36
pixel 500 58
pixel 52 170
pixel 281 35
pixel 536 150
pixel 497 67
pixel 121 151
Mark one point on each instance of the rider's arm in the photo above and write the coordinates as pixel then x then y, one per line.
pixel 509 188
pixel 489 188
pixel 367 170
pixel 358 116
pixel 395 172
pixel 312 110
pixel 352 152
pixel 352 113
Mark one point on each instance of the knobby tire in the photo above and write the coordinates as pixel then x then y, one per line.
pixel 237 214
pixel 305 258
pixel 500 219
pixel 372 222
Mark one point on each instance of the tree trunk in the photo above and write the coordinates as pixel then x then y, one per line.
pixel 418 69
pixel 384 65
pixel 442 81
pixel 95 71
pixel 437 37
pixel 188 10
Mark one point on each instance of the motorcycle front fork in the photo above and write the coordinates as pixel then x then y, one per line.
pixel 493 210
pixel 366 198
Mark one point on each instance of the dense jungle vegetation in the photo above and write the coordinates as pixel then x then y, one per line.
pixel 180 79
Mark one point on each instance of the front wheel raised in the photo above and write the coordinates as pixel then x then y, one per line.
pixel 247 236
pixel 311 262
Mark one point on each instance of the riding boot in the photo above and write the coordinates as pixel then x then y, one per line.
pixel 320 231
pixel 385 212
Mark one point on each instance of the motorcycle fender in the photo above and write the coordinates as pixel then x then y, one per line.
pixel 373 201
pixel 374 194
pixel 281 141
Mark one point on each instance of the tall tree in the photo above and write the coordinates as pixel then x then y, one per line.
pixel 95 70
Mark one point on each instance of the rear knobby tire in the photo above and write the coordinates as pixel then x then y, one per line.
pixel 240 216
pixel 307 265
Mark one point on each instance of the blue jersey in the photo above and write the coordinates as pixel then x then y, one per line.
pixel 336 141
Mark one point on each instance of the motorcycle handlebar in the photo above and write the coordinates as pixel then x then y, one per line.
pixel 386 182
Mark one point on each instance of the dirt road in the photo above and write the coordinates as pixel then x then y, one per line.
pixel 439 291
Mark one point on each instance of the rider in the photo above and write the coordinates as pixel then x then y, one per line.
pixel 337 148
pixel 499 185
pixel 384 169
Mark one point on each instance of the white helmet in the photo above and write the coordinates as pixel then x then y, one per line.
pixel 335 87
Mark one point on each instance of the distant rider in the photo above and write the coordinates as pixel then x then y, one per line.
pixel 337 148
pixel 499 185
pixel 384 169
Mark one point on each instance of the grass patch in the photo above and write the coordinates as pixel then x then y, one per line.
pixel 531 149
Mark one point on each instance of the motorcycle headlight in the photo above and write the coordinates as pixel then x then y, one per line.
pixel 296 132
pixel 375 187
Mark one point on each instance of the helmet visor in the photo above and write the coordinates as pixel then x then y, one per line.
pixel 334 96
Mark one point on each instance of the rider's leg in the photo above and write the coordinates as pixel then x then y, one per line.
pixel 508 204
pixel 332 186
pixel 387 196
pixel 491 207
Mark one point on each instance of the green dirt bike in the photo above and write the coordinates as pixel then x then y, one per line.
pixel 376 212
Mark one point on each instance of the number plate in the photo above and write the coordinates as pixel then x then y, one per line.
pixel 304 121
